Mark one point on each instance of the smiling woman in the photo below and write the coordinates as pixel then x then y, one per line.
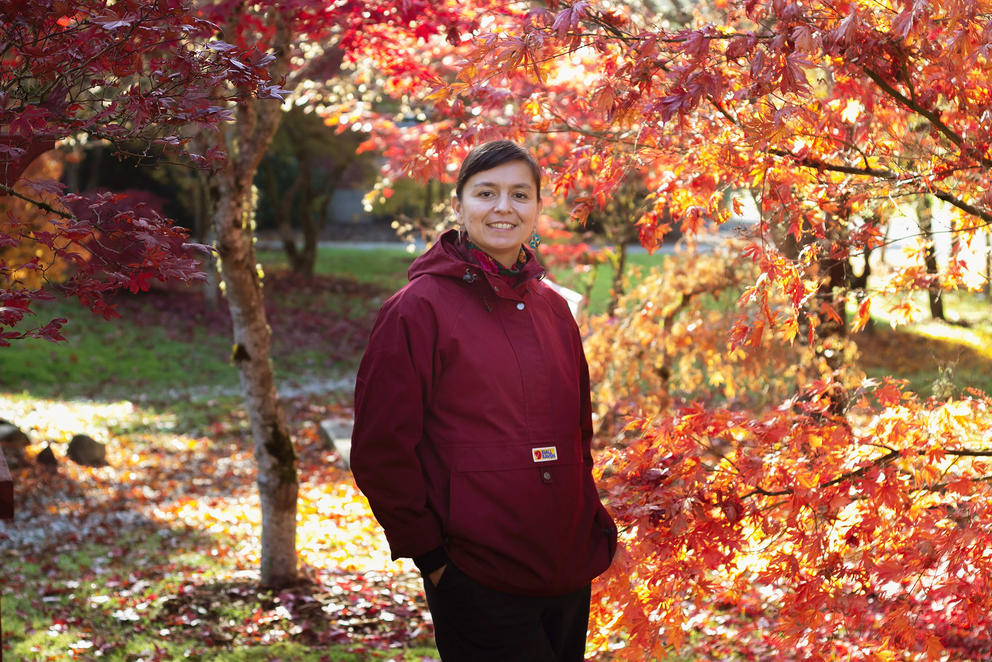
pixel 473 429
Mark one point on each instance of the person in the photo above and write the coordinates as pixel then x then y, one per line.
pixel 473 428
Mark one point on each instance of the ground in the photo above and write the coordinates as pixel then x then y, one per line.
pixel 156 554
pixel 155 557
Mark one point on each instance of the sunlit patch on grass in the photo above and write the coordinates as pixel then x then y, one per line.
pixel 336 529
pixel 974 340
pixel 58 420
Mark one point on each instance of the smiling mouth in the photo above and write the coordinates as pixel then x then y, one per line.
pixel 502 226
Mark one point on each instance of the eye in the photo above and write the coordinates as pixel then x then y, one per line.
pixel 520 195
pixel 485 194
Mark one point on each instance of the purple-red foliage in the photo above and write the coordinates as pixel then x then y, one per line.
pixel 137 74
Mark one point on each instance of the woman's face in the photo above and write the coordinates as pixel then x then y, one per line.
pixel 499 209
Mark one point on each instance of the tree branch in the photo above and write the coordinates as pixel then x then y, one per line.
pixel 964 206
pixel 37 203
pixel 816 164
pixel 890 175
pixel 932 116
pixel 877 462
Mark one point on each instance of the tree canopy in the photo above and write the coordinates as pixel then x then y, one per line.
pixel 840 520
pixel 142 75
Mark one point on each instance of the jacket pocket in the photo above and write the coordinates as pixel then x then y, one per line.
pixel 517 509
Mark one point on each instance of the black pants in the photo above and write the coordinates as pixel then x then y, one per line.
pixel 473 623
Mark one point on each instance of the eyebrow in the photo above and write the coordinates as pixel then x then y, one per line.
pixel 495 185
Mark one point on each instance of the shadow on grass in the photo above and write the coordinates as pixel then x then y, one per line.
pixel 924 361
pixel 372 609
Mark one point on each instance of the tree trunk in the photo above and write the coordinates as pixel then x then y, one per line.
pixel 277 481
pixel 70 174
pixel 308 222
pixel 278 487
pixel 832 293
pixel 988 263
pixel 857 284
pixel 93 181
pixel 204 232
pixel 284 214
pixel 924 218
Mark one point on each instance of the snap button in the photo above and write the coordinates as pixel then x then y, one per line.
pixel 546 476
pixel 520 306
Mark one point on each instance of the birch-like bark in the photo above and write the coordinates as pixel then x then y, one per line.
pixel 246 142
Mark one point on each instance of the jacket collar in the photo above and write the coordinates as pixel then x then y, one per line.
pixel 445 258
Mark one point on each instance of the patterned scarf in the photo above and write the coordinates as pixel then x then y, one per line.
pixel 493 266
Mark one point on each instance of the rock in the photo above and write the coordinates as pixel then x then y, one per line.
pixel 46 457
pixel 87 451
pixel 337 432
pixel 13 441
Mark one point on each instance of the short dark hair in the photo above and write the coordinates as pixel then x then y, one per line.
pixel 491 155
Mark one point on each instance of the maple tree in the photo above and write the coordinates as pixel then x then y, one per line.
pixel 840 518
pixel 130 73
pixel 32 217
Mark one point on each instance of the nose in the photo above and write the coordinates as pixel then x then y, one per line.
pixel 503 202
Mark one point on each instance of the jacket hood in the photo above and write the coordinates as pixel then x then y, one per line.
pixel 445 258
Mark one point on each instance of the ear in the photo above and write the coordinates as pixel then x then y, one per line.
pixel 456 205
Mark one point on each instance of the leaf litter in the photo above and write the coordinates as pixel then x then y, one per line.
pixel 164 541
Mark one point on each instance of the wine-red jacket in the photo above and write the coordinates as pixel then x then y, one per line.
pixel 473 428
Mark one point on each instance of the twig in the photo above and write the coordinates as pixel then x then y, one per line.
pixel 37 203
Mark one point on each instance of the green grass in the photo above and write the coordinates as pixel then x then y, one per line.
pixel 385 266
pixel 112 358
pixel 597 283
pixel 934 357
pixel 115 358
pixel 158 357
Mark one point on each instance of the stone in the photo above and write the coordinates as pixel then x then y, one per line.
pixel 337 432
pixel 46 457
pixel 13 441
pixel 87 451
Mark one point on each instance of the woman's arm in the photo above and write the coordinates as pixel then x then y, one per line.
pixel 393 389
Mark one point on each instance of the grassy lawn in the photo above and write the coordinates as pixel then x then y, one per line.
pixel 385 266
pixel 171 342
pixel 108 358
pixel 951 356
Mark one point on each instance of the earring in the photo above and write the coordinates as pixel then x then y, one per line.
pixel 535 241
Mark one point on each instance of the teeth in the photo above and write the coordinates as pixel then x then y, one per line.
pixel 502 226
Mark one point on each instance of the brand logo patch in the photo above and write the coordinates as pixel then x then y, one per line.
pixel 545 453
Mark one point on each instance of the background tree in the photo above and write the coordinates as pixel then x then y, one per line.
pixel 127 73
pixel 924 218
pixel 299 176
